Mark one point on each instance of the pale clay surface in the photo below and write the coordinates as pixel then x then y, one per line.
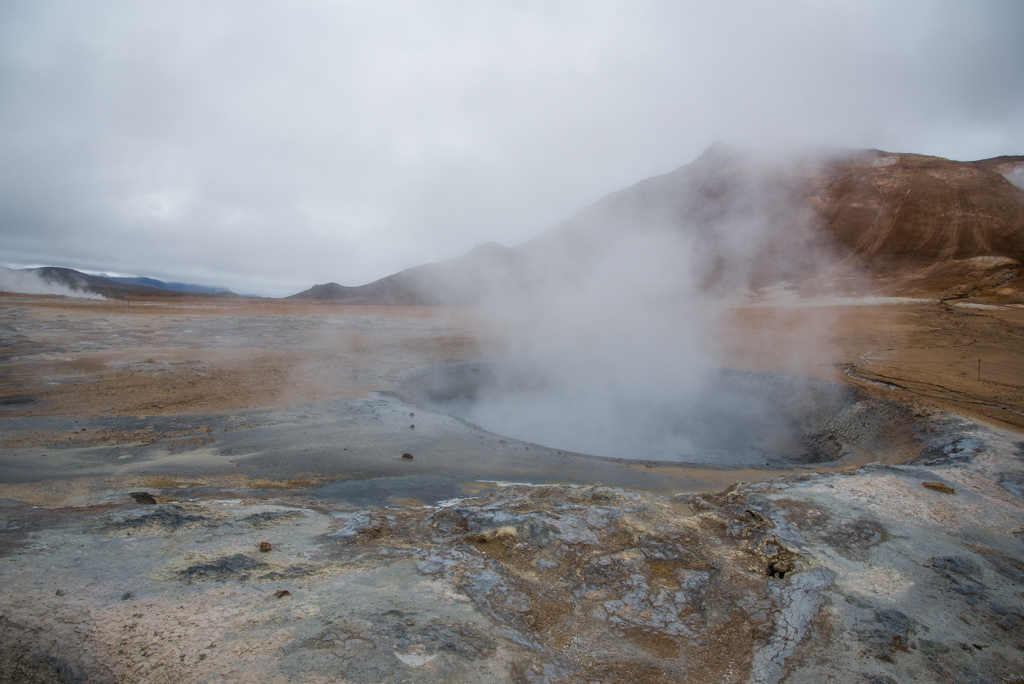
pixel 557 584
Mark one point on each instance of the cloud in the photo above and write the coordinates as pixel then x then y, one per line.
pixel 266 146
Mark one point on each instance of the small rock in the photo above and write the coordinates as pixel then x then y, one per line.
pixel 938 487
pixel 545 564
pixel 281 593
pixel 758 519
pixel 412 427
pixel 406 457
pixel 430 566
pixel 61 592
pixel 143 498
pixel 126 595
pixel 265 546
pixel 500 534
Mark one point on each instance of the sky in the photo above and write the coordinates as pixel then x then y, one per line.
pixel 270 146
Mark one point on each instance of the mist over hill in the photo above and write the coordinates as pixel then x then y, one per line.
pixel 72 283
pixel 841 221
pixel 169 287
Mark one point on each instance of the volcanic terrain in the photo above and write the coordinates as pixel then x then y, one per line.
pixel 198 488
pixel 851 222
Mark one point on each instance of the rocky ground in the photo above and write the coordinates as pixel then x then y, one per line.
pixel 229 539
pixel 882 573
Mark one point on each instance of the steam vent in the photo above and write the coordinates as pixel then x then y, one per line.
pixel 742 418
pixel 758 419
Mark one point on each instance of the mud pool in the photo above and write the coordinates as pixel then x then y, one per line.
pixel 737 419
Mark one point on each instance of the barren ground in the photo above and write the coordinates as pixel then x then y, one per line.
pixel 249 421
pixel 89 358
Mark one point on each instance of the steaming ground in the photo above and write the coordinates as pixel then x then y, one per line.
pixel 29 282
pixel 742 418
pixel 253 421
pixel 229 366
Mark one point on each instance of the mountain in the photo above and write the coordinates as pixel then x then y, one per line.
pixel 926 223
pixel 462 280
pixel 171 287
pixel 117 287
pixel 835 220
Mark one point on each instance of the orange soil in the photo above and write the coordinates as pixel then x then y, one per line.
pixel 927 352
pixel 178 373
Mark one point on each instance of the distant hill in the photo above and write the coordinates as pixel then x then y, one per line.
pixel 841 219
pixel 456 281
pixel 116 287
pixel 172 287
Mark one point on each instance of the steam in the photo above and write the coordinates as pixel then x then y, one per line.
pixel 613 349
pixel 1015 175
pixel 593 358
pixel 31 282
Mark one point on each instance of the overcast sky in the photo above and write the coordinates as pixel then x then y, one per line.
pixel 269 146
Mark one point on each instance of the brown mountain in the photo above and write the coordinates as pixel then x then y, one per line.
pixel 840 220
pixel 925 223
pixel 462 280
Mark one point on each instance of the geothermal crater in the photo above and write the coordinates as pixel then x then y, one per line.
pixel 734 418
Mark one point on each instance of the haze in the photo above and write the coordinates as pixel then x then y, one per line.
pixel 268 146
